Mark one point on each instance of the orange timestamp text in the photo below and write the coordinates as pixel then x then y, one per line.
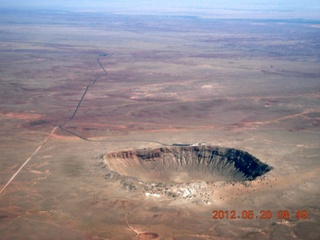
pixel 263 214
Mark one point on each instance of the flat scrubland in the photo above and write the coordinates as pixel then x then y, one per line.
pixel 246 84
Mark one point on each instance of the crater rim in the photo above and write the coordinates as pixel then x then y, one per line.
pixel 185 163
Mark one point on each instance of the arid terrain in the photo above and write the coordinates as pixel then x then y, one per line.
pixel 76 86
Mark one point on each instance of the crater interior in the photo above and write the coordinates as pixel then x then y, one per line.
pixel 183 164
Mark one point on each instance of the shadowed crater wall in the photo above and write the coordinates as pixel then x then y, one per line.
pixel 182 164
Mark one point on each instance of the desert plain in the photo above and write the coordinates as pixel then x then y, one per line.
pixel 75 86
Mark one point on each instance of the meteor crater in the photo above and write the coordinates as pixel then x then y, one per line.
pixel 186 164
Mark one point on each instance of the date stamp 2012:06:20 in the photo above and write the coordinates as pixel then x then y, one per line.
pixel 263 214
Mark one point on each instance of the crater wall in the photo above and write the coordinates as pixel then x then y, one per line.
pixel 181 164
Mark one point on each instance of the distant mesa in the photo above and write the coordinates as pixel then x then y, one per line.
pixel 184 163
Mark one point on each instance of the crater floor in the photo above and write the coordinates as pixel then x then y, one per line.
pixel 183 164
pixel 182 171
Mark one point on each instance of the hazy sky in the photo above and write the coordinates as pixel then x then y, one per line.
pixel 269 8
